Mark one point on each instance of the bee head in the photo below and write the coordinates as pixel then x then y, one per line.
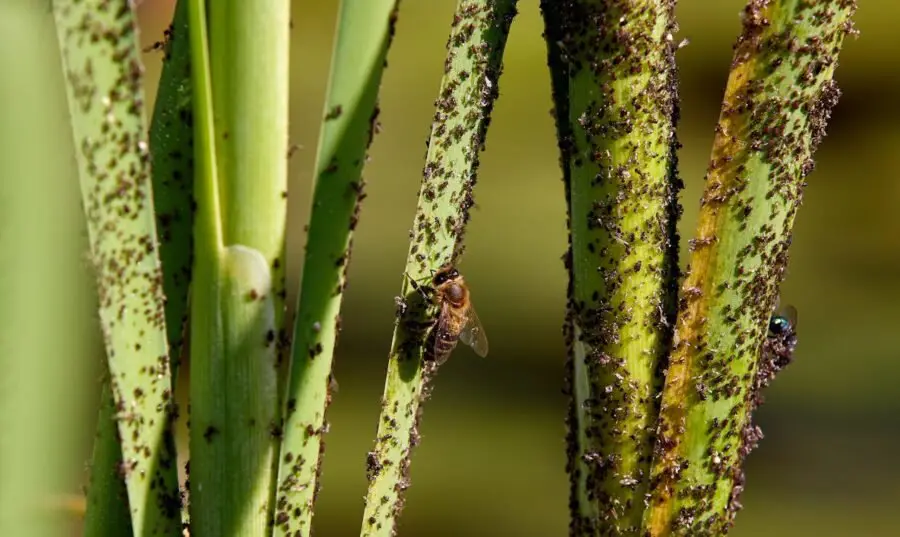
pixel 445 275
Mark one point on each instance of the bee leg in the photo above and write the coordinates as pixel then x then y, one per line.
pixel 416 286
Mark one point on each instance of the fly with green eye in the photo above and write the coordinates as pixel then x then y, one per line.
pixel 776 353
pixel 778 348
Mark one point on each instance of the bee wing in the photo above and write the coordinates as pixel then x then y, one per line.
pixel 473 333
pixel 444 323
pixel 443 330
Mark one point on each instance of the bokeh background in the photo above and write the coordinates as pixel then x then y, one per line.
pixel 492 459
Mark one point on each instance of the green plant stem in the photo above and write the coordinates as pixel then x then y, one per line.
pixel 107 499
pixel 614 78
pixel 171 144
pixel 48 347
pixel 777 101
pixel 248 45
pixel 468 90
pixel 171 135
pixel 102 67
pixel 241 74
pixel 207 478
pixel 361 44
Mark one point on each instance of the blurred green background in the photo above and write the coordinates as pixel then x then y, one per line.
pixel 492 459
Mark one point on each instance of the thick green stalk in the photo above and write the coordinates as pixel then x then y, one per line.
pixel 102 65
pixel 248 435
pixel 47 352
pixel 248 45
pixel 171 136
pixel 468 90
pixel 241 91
pixel 363 36
pixel 778 99
pixel 614 76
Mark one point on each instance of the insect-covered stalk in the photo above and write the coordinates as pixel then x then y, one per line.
pixel 467 94
pixel 363 36
pixel 103 71
pixel 171 135
pixel 613 74
pixel 777 101
pixel 777 352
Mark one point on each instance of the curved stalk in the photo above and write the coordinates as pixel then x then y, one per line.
pixel 467 94
pixel 778 99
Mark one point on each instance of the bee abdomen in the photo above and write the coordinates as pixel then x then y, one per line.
pixel 440 347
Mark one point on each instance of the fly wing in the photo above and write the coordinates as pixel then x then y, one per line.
pixel 473 333
pixel 790 312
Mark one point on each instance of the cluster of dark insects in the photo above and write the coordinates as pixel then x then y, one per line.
pixel 778 348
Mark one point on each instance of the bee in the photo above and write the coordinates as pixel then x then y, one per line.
pixel 457 320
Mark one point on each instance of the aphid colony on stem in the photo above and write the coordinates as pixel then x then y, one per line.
pixel 776 353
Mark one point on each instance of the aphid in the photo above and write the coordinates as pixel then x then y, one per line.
pixel 457 320
pixel 401 305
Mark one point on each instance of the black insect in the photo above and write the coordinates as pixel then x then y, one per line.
pixel 778 349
